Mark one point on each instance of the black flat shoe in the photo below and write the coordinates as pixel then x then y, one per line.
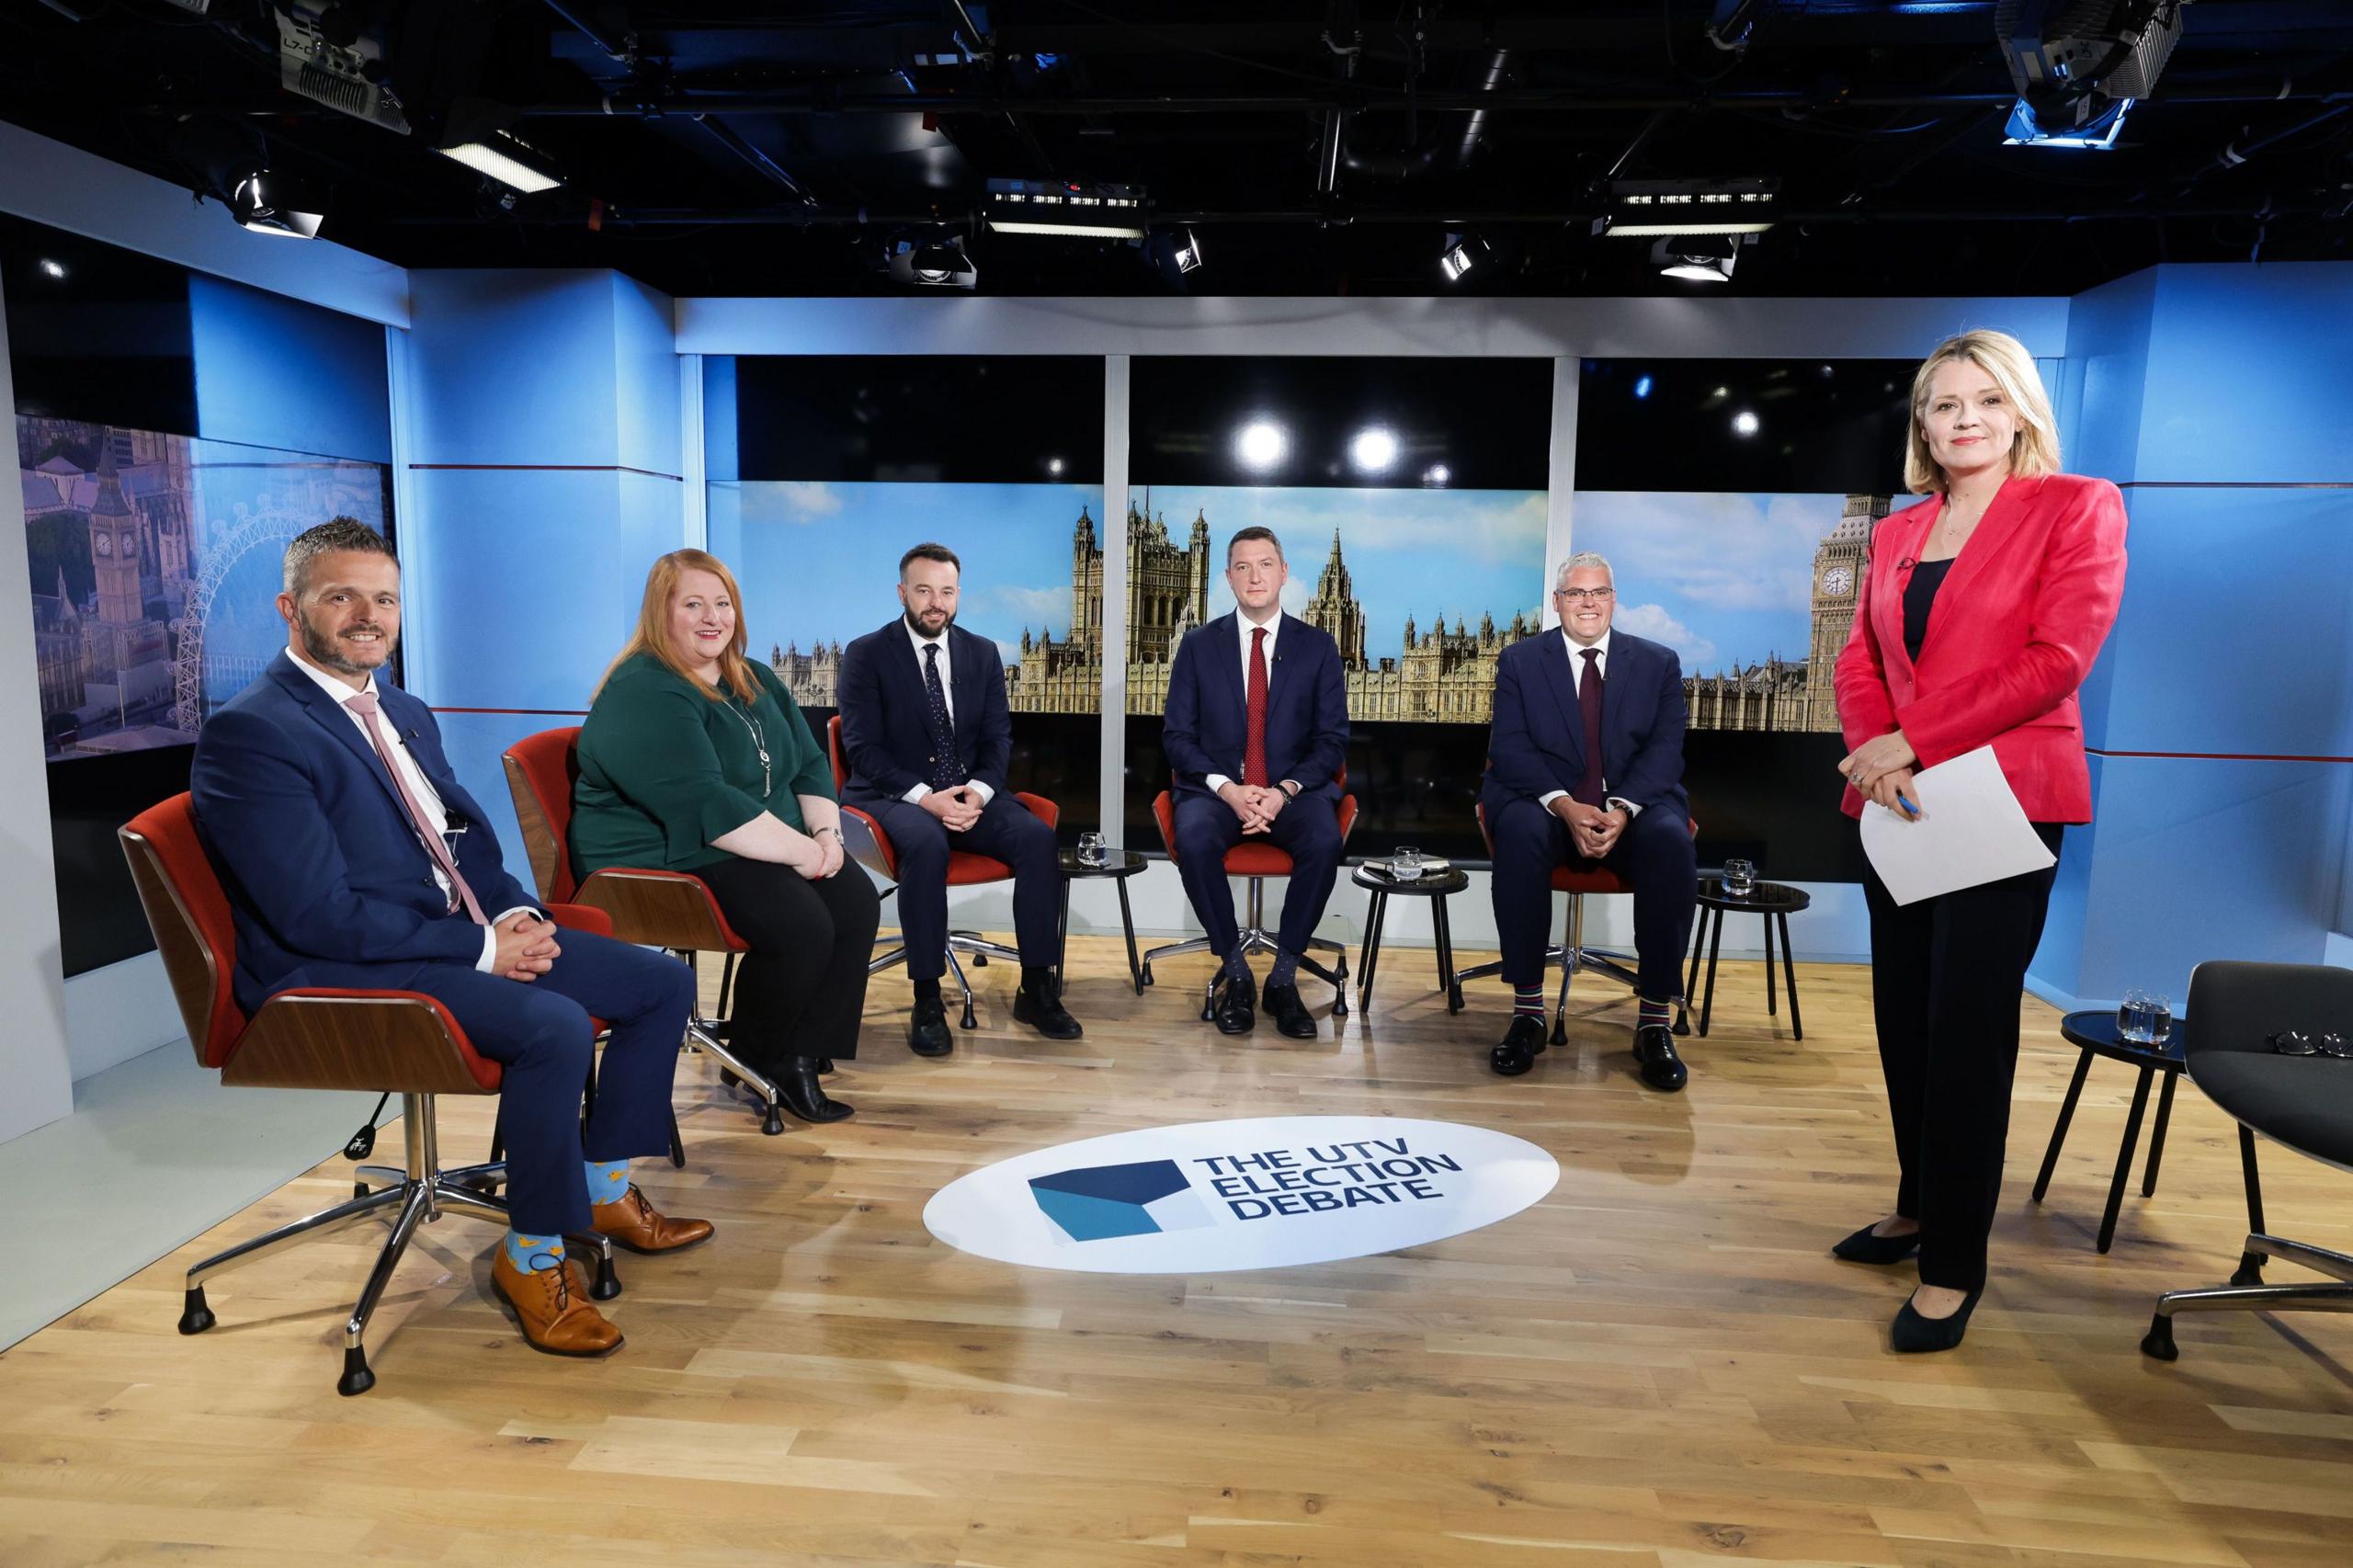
pixel 927 1030
pixel 1043 1011
pixel 1654 1053
pixel 797 1087
pixel 824 1065
pixel 1232 1008
pixel 1865 1247
pixel 1914 1333
pixel 1291 1018
pixel 1521 1044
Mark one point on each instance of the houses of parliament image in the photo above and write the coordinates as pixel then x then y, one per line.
pixel 1442 675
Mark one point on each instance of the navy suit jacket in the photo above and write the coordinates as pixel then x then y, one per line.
pixel 1207 724
pixel 307 829
pixel 1538 742
pixel 886 712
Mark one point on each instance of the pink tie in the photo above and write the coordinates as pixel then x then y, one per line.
pixel 364 704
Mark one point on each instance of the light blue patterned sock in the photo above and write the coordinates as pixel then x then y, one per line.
pixel 608 1180
pixel 525 1252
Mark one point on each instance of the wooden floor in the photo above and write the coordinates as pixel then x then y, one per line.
pixel 1659 1364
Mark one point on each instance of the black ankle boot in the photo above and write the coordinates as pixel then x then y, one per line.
pixel 797 1087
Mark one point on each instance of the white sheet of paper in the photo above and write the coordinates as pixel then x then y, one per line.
pixel 1971 830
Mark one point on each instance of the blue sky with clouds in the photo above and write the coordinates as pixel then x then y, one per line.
pixel 1722 579
pixel 1418 552
pixel 819 561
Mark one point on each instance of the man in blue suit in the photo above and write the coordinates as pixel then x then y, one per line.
pixel 353 858
pixel 1257 728
pixel 1586 762
pixel 927 737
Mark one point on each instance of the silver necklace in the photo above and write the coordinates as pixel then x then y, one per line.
pixel 759 743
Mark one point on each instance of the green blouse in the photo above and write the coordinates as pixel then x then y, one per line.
pixel 664 770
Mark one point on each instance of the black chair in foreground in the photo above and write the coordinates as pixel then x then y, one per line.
pixel 2239 1015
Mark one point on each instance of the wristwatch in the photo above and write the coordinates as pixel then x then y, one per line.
pixel 1290 790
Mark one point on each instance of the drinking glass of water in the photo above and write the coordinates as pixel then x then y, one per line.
pixel 2145 1017
pixel 1740 878
pixel 1405 864
pixel 1092 850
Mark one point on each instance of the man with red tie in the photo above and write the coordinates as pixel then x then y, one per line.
pixel 354 858
pixel 1257 728
pixel 1586 763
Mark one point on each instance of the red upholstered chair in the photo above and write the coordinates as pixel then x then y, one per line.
pixel 1258 860
pixel 867 845
pixel 1572 954
pixel 652 908
pixel 400 1042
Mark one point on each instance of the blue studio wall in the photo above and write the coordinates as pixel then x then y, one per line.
pixel 543 477
pixel 2221 713
pixel 272 371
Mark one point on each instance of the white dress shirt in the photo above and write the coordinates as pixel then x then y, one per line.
pixel 1244 626
pixel 947 695
pixel 1576 684
pixel 413 777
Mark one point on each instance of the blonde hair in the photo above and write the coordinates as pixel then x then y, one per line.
pixel 653 635
pixel 2035 452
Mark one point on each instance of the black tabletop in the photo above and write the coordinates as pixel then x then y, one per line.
pixel 1429 884
pixel 2094 1030
pixel 1768 898
pixel 1123 863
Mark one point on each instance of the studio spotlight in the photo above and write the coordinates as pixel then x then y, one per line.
pixel 938 263
pixel 1185 250
pixel 1373 451
pixel 1261 445
pixel 1744 423
pixel 2079 64
pixel 1699 259
pixel 268 202
pixel 50 267
pixel 1641 386
pixel 1054 466
pixel 1435 475
pixel 475 137
pixel 1462 255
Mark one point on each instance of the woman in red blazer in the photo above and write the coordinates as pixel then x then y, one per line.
pixel 1981 612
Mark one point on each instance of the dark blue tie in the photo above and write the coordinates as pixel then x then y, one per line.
pixel 945 774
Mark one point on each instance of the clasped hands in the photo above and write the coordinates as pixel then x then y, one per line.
pixel 1257 805
pixel 957 809
pixel 820 856
pixel 526 947
pixel 1592 830
pixel 1880 768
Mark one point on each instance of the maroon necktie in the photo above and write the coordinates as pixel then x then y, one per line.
pixel 1254 760
pixel 1589 706
pixel 364 704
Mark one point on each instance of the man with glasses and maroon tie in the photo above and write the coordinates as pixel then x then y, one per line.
pixel 1585 766
pixel 354 859
pixel 1255 729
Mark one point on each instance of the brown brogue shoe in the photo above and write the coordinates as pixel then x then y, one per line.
pixel 556 1318
pixel 630 1221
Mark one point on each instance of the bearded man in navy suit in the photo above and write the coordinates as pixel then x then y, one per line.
pixel 1585 766
pixel 1257 728
pixel 354 858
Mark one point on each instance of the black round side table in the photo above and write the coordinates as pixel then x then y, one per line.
pixel 2093 1033
pixel 1123 864
pixel 1435 886
pixel 1773 901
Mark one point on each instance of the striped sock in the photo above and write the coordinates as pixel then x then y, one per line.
pixel 1659 1013
pixel 608 1180
pixel 1528 1001
pixel 525 1252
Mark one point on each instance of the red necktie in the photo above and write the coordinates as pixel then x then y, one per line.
pixel 364 704
pixel 1589 707
pixel 1254 760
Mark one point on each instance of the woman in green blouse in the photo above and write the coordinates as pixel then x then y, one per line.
pixel 695 758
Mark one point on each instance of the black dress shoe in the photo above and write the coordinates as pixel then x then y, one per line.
pixel 1041 1008
pixel 1914 1333
pixel 1863 1246
pixel 1292 1017
pixel 1521 1044
pixel 1233 1007
pixel 927 1028
pixel 1655 1052
pixel 797 1087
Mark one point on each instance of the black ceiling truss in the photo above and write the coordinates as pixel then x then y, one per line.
pixel 708 147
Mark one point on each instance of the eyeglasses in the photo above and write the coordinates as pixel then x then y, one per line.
pixel 2296 1042
pixel 1585 596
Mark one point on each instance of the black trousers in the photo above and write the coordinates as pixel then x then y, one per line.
pixel 800 989
pixel 1946 973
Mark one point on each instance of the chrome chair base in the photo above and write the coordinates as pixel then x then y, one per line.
pixel 1572 956
pixel 417 1194
pixel 1252 937
pixel 710 1036
pixel 972 942
pixel 2336 1297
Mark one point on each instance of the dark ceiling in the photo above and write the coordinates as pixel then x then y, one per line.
pixel 715 148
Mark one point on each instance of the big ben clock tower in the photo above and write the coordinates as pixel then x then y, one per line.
pixel 1837 579
pixel 114 549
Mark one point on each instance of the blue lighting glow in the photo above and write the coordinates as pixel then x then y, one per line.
pixel 2024 131
pixel 1643 387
